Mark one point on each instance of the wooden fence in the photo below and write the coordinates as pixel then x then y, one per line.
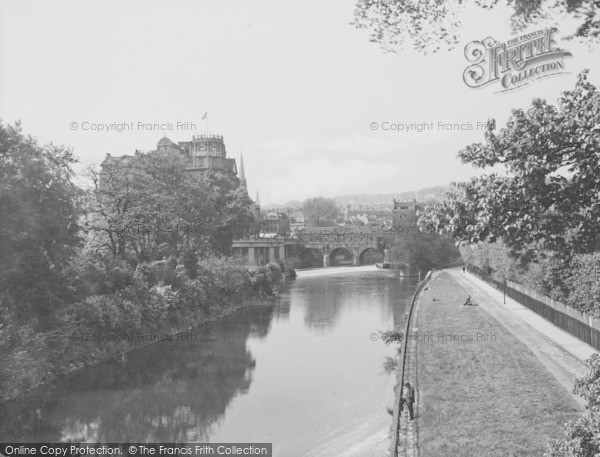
pixel 579 324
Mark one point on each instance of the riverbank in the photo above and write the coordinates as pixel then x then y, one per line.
pixel 476 379
pixel 157 305
pixel 165 335
pixel 262 362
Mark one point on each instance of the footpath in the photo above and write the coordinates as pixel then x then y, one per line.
pixel 486 381
pixel 560 352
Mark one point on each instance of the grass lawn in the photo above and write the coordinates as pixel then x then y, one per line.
pixel 481 391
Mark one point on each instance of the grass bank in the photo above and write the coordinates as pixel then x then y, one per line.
pixel 481 391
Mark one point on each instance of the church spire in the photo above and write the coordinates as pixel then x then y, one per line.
pixel 257 201
pixel 242 172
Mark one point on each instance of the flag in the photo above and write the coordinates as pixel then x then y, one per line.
pixel 204 117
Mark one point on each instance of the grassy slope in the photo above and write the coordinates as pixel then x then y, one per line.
pixel 481 398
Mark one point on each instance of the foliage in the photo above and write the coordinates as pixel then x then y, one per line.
pixel 424 251
pixel 549 200
pixel 431 25
pixel 574 283
pixel 38 202
pixel 321 212
pixel 390 364
pixel 190 263
pixel 149 207
pixel 108 313
pixel 582 437
pixel 584 282
pixel 395 335
pixel 144 249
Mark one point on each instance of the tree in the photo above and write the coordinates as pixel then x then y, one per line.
pixel 582 437
pixel 424 251
pixel 321 212
pixel 149 206
pixel 38 204
pixel 550 197
pixel 430 25
pixel 585 284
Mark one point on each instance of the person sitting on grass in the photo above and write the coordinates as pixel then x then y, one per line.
pixel 468 302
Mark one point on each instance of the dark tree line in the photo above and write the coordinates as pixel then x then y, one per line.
pixel 144 247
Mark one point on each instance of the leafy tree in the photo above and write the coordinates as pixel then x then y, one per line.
pixel 190 263
pixel 550 197
pixel 431 25
pixel 38 204
pixel 584 282
pixel 149 206
pixel 424 251
pixel 582 437
pixel 321 212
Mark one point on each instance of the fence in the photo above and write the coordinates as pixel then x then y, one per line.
pixel 579 324
pixel 400 375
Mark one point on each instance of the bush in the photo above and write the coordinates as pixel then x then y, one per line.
pixel 582 437
pixel 108 313
pixel 159 272
pixel 585 283
pixel 395 335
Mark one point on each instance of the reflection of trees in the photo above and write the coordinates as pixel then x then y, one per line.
pixel 398 305
pixel 327 296
pixel 175 391
pixel 323 299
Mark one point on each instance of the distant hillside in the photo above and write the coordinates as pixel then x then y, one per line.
pixel 424 195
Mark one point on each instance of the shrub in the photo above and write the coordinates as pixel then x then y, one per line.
pixel 109 313
pixel 585 283
pixel 582 437
pixel 395 335
pixel 160 300
pixel 159 272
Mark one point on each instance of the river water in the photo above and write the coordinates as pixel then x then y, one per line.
pixel 303 374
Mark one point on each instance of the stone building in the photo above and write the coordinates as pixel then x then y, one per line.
pixel 405 214
pixel 274 222
pixel 204 152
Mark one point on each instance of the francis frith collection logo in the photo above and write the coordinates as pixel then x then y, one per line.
pixel 516 62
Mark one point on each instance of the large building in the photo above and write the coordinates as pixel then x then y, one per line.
pixel 204 152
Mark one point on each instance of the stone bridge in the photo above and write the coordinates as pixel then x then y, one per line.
pixel 349 245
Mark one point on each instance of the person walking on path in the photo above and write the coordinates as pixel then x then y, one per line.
pixel 409 399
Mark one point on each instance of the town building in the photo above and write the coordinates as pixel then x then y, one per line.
pixel 274 223
pixel 204 152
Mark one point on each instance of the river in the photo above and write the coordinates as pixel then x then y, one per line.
pixel 303 374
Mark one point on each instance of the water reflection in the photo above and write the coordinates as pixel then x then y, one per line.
pixel 302 374
pixel 170 392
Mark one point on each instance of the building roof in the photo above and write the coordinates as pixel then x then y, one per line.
pixel 164 141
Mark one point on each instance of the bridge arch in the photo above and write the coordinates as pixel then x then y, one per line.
pixel 341 256
pixel 312 258
pixel 370 256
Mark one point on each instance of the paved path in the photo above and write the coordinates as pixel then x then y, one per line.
pixel 561 353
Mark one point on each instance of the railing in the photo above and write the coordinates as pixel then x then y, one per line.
pixel 400 376
pixel 579 324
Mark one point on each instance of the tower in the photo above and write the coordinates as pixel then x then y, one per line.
pixel 207 152
pixel 404 214
pixel 242 172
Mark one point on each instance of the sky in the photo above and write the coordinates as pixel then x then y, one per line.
pixel 291 85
